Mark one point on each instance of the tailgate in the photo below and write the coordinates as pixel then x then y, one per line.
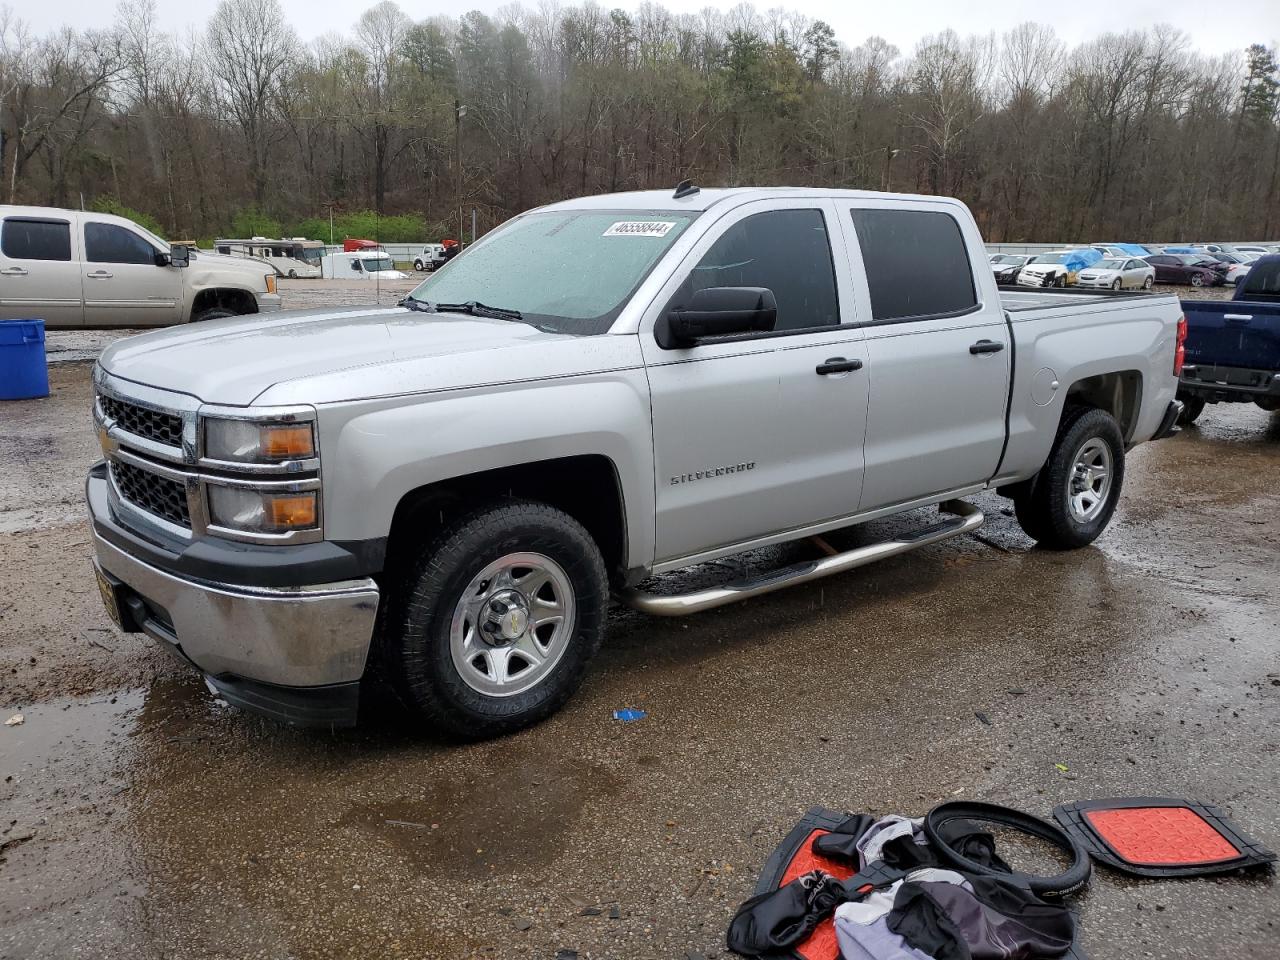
pixel 1233 333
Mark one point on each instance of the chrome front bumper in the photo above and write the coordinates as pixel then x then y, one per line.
pixel 307 636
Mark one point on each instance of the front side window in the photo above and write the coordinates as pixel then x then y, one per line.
pixel 917 264
pixel 108 243
pixel 786 251
pixel 36 239
pixel 566 271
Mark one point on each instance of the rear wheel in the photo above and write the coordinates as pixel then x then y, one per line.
pixel 1075 493
pixel 494 624
pixel 1148 283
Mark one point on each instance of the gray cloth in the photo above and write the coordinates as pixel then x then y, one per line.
pixel 873 941
pixel 871 844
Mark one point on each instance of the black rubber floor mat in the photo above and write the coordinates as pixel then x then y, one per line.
pixel 1161 837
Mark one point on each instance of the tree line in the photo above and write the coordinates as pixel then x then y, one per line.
pixel 1133 135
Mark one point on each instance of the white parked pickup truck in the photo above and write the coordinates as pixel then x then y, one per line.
pixel 71 268
pixel 444 494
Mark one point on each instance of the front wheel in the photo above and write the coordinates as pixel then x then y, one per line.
pixel 293 274
pixel 1197 280
pixel 1073 497
pixel 494 624
pixel 417 265
pixel 1059 281
pixel 1115 284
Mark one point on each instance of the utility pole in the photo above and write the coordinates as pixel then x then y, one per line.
pixel 459 111
pixel 889 154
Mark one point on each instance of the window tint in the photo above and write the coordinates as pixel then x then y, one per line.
pixel 917 263
pixel 1262 282
pixel 108 243
pixel 36 239
pixel 786 251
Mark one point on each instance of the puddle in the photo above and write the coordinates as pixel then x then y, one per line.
pixel 508 817
pixel 55 730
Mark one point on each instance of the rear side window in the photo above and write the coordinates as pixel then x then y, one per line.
pixel 788 252
pixel 108 243
pixel 36 239
pixel 917 263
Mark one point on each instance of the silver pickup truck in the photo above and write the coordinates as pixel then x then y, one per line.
pixel 443 495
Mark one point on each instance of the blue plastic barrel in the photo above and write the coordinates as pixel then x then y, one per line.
pixel 23 373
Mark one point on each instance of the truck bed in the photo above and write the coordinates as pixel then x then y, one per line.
pixel 1020 299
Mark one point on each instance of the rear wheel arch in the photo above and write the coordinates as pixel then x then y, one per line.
pixel 1118 393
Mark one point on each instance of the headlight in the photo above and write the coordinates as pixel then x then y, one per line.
pixel 256 511
pixel 271 282
pixel 246 441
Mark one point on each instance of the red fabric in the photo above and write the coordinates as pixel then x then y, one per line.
pixel 1161 836
pixel 822 944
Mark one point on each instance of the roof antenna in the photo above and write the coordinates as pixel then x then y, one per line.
pixel 685 188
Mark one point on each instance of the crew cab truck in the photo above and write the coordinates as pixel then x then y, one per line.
pixel 1233 346
pixel 444 494
pixel 71 268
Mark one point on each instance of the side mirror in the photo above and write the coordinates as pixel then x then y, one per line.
pixel 717 312
pixel 179 256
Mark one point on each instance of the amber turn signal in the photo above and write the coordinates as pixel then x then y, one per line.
pixel 289 513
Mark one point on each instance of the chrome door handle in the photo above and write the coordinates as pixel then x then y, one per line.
pixel 99 275
pixel 986 346
pixel 1241 318
pixel 13 272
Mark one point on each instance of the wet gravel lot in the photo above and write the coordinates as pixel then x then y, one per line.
pixel 140 819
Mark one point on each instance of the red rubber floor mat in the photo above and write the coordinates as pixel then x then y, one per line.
pixel 821 944
pixel 1161 837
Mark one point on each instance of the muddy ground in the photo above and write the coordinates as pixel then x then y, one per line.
pixel 140 819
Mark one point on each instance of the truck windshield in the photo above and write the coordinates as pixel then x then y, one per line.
pixel 568 271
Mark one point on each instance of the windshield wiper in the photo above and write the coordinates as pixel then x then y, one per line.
pixel 477 309
pixel 414 304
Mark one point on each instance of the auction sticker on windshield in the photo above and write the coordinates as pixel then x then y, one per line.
pixel 640 228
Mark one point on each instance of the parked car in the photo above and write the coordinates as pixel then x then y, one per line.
pixel 1055 269
pixel 1172 268
pixel 450 495
pixel 1006 266
pixel 1217 262
pixel 1258 249
pixel 71 268
pixel 1233 346
pixel 429 257
pixel 369 265
pixel 1118 273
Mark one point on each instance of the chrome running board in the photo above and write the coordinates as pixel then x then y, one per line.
pixel 966 519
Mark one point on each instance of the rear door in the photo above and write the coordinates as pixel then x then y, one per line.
pixel 39 271
pixel 938 354
pixel 124 284
pixel 755 435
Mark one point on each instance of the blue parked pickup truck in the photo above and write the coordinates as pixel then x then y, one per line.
pixel 1233 346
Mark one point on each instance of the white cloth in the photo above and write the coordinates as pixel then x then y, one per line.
pixel 871 844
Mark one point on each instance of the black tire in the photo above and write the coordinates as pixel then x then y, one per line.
pixel 417 265
pixel 1148 283
pixel 1116 284
pixel 1059 281
pixel 1043 510
pixel 293 274
pixel 415 634
pixel 1192 407
pixel 1197 280
pixel 213 313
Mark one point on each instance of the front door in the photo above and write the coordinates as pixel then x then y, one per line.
pixel 124 284
pixel 938 357
pixel 39 276
pixel 761 434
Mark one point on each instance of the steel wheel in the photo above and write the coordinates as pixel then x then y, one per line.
pixel 1090 484
pixel 512 624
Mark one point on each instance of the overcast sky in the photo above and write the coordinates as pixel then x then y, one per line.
pixel 1214 27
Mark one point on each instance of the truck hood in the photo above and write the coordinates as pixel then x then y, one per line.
pixel 330 355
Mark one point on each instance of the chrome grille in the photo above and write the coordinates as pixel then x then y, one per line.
pixel 153 493
pixel 144 422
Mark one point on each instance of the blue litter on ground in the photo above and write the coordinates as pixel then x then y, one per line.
pixel 23 373
pixel 626 716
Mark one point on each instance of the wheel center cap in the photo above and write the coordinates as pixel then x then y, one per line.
pixel 506 618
